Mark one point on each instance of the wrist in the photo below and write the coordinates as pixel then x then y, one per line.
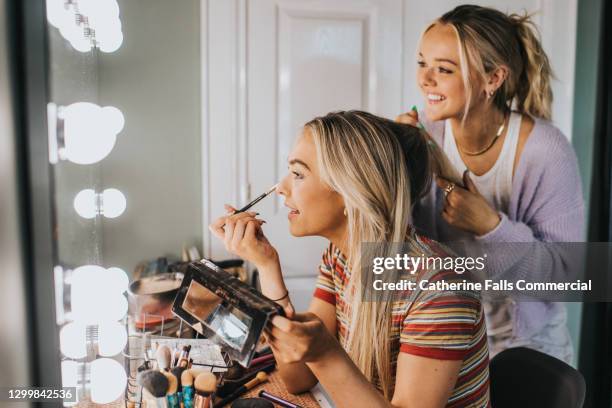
pixel 489 226
pixel 331 354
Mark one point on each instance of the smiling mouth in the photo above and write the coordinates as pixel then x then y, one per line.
pixel 435 98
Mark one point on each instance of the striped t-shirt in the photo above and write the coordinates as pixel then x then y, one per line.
pixel 439 325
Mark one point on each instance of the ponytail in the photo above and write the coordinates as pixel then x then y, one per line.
pixel 489 39
pixel 534 93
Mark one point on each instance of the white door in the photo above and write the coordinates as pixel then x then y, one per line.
pixel 307 58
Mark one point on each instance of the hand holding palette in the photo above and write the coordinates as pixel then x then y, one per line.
pixel 224 309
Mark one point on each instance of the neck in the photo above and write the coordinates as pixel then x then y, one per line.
pixel 339 238
pixel 480 126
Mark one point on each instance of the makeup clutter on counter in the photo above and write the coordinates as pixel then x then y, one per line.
pixel 196 337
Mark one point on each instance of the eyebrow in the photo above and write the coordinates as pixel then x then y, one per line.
pixel 442 60
pixel 298 161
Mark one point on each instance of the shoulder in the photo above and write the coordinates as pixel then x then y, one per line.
pixel 546 145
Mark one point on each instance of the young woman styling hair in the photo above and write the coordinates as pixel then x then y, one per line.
pixel 353 179
pixel 486 80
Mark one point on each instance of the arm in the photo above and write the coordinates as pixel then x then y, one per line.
pixel 297 376
pixel 243 236
pixel 420 381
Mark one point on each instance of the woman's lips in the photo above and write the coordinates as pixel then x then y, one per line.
pixel 292 212
pixel 434 99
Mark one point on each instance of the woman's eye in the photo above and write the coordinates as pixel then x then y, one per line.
pixel 444 71
pixel 297 175
pixel 421 64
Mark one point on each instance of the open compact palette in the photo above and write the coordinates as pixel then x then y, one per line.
pixel 224 309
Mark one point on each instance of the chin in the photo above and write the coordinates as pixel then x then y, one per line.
pixel 296 231
pixel 435 113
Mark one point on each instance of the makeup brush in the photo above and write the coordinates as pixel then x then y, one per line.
pixel 154 387
pixel 187 378
pixel 178 373
pixel 163 356
pixel 230 386
pixel 173 401
pixel 205 385
pixel 183 360
pixel 256 200
pixel 277 400
pixel 261 377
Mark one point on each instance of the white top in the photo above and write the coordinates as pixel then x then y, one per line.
pixel 496 184
pixel 496 187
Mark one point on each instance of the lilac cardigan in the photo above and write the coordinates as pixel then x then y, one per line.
pixel 546 205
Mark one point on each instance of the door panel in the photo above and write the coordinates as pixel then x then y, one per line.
pixel 307 58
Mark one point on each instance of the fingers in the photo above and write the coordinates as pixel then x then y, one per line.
pixel 281 323
pixel 409 118
pixel 229 208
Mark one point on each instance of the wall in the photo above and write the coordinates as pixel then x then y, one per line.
pixel 154 78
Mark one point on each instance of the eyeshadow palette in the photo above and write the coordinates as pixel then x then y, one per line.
pixel 224 309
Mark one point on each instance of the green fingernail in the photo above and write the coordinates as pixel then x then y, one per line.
pixel 414 108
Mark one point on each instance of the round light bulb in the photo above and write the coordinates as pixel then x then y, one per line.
pixel 85 203
pixel 119 279
pixel 112 338
pixel 70 373
pixel 111 42
pixel 113 119
pixel 113 203
pixel 57 13
pixel 95 308
pixel 94 297
pixel 86 136
pixel 108 380
pixel 72 340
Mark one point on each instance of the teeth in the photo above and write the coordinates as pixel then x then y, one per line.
pixel 433 97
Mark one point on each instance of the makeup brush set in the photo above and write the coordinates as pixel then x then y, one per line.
pixel 173 382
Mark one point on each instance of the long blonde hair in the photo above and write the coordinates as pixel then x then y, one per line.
pixel 488 39
pixel 380 168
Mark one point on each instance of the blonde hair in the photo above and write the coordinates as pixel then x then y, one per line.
pixel 488 39
pixel 380 168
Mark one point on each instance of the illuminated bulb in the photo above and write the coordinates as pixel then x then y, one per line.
pixel 57 13
pixel 111 42
pixel 113 203
pixel 93 308
pixel 119 279
pixel 94 297
pixel 85 203
pixel 72 340
pixel 108 380
pixel 90 132
pixel 70 373
pixel 112 338
pixel 70 377
pixel 113 119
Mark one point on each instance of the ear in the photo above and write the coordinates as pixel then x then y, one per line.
pixel 496 79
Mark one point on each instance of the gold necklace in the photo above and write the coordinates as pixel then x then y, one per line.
pixel 479 152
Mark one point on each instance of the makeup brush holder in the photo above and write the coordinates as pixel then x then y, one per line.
pixel 139 356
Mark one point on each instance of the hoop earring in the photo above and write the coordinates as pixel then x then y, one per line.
pixel 344 212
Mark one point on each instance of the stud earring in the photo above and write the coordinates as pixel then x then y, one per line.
pixel 344 212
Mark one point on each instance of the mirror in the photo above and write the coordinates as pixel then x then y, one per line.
pixel 163 111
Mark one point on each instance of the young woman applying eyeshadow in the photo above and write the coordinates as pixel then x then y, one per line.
pixel 486 83
pixel 354 178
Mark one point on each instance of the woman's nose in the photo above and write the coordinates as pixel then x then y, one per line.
pixel 426 77
pixel 283 187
